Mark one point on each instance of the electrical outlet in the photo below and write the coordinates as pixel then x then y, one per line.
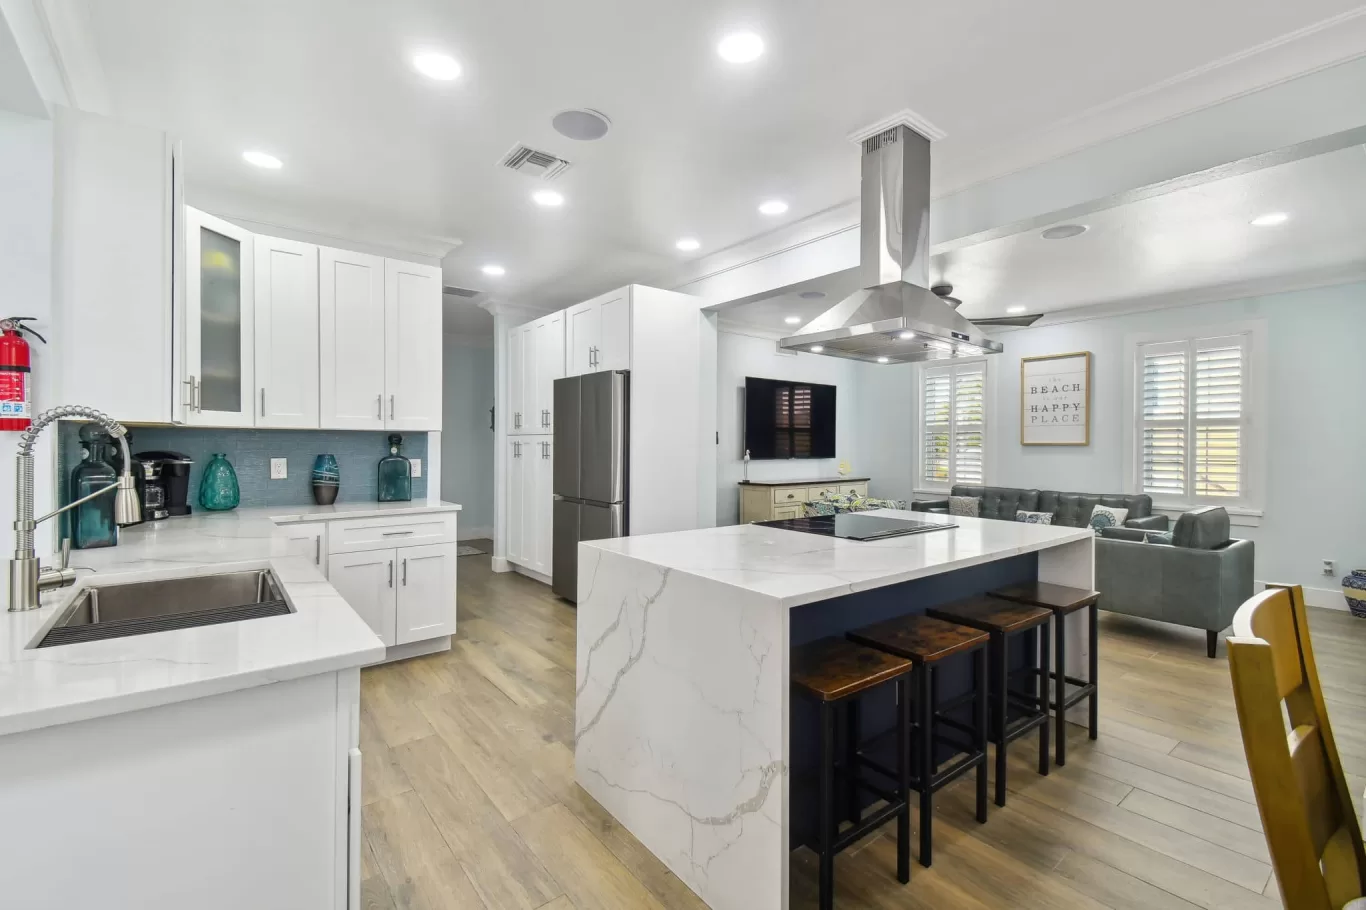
pixel 1328 568
pixel 279 468
pixel 417 466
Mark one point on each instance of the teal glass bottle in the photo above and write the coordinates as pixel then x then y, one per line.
pixel 92 524
pixel 218 490
pixel 395 474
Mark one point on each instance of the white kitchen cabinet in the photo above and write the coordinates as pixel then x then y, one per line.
pixel 425 592
pixel 286 329
pixel 351 350
pixel 547 343
pixel 306 539
pixel 519 456
pixel 366 581
pixel 220 317
pixel 519 340
pixel 598 334
pixel 530 502
pixel 117 267
pixel 412 346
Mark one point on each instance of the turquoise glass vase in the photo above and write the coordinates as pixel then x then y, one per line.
pixel 395 474
pixel 218 490
pixel 326 479
pixel 92 523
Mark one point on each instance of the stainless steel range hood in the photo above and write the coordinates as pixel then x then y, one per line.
pixel 894 318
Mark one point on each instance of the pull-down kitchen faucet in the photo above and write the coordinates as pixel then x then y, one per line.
pixel 27 579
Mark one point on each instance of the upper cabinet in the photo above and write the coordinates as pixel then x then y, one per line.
pixel 218 378
pixel 535 361
pixel 117 274
pixel 351 340
pixel 598 334
pixel 412 346
pixel 286 333
pixel 519 339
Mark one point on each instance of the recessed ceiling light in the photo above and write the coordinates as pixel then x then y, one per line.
pixel 494 270
pixel 1014 310
pixel 688 244
pixel 812 295
pixel 884 360
pixel 548 198
pixel 437 66
pixel 793 320
pixel 773 207
pixel 817 348
pixel 261 159
pixel 741 47
pixel 906 336
pixel 1063 231
pixel 1270 219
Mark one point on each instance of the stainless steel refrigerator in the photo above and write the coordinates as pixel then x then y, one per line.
pixel 592 458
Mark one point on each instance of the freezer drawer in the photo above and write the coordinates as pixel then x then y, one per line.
pixel 564 546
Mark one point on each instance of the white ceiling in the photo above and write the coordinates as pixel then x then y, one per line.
pixel 1198 237
pixel 374 150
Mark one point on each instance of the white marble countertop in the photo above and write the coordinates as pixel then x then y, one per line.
pixel 796 568
pixel 43 687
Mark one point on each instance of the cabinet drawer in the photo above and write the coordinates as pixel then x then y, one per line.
pixel 782 513
pixel 356 534
pixel 858 489
pixel 788 494
pixel 815 494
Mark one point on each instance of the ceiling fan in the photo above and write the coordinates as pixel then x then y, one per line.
pixel 945 293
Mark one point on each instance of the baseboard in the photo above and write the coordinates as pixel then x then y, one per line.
pixel 474 534
pixel 529 573
pixel 500 564
pixel 1324 598
pixel 415 649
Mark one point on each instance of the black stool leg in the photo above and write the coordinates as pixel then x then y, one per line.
pixel 903 770
pixel 1001 659
pixel 853 733
pixel 1043 698
pixel 979 704
pixel 826 838
pixel 1093 671
pixel 1060 638
pixel 925 705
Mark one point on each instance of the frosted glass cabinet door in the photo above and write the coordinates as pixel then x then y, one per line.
pixel 216 389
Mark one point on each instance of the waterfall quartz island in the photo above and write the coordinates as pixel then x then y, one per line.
pixel 684 730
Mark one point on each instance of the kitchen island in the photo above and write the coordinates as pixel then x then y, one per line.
pixel 683 722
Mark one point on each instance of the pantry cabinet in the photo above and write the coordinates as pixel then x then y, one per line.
pixel 598 334
pixel 412 346
pixel 535 361
pixel 286 329
pixel 217 388
pixel 519 339
pixel 351 352
pixel 530 502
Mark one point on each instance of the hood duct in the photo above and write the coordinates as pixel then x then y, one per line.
pixel 894 317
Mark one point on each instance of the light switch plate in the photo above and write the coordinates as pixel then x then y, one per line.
pixel 279 468
pixel 417 466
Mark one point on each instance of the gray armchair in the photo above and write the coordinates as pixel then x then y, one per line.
pixel 1199 580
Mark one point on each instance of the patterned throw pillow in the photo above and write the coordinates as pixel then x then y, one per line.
pixel 848 502
pixel 1034 518
pixel 967 506
pixel 1106 517
pixel 1162 537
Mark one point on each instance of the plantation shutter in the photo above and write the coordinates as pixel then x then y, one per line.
pixel 1218 386
pixel 936 408
pixel 969 382
pixel 1163 413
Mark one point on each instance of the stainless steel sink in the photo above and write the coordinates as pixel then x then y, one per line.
pixel 141 607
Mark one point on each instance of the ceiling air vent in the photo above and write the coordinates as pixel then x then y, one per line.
pixel 534 163
pixel 459 292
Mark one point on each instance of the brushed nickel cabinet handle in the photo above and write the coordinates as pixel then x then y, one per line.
pixel 263 401
pixel 391 407
pixel 395 533
pixel 391 573
pixel 405 571
pixel 317 551
pixel 379 406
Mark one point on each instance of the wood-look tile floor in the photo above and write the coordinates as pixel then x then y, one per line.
pixel 470 799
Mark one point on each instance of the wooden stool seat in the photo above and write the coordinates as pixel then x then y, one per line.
pixel 833 668
pixel 1004 619
pixel 920 639
pixel 1064 601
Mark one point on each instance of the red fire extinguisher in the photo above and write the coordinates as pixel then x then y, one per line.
pixel 16 408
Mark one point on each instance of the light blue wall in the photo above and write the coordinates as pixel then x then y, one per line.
pixel 1315 501
pixel 466 440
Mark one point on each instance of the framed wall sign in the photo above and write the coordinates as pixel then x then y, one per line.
pixel 1055 400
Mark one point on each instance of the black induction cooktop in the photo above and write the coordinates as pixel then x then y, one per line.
pixel 852 526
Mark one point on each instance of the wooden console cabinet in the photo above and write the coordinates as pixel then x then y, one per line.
pixel 770 501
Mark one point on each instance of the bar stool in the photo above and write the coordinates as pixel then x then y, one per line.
pixel 1003 620
pixel 1065 601
pixel 834 671
pixel 925 642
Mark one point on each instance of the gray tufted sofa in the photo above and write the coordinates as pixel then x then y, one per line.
pixel 1070 509
pixel 1199 580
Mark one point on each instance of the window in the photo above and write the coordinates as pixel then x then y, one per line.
pixel 1192 419
pixel 953 424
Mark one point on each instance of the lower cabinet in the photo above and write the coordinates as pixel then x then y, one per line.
pixel 531 461
pixel 306 539
pixel 405 594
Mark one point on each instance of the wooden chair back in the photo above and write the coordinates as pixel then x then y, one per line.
pixel 1311 830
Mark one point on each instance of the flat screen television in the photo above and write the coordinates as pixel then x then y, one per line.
pixel 785 419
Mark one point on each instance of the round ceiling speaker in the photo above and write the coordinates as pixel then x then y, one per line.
pixel 811 295
pixel 584 125
pixel 1063 231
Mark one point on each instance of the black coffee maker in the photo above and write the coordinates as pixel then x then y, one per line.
pixel 165 487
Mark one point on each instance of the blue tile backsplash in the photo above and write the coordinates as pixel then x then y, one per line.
pixel 250 450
